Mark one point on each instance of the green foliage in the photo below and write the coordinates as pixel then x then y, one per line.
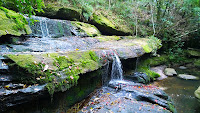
pixel 26 6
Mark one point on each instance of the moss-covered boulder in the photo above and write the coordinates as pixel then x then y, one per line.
pixel 69 13
pixel 12 23
pixel 50 11
pixel 59 70
pixel 106 26
pixel 82 28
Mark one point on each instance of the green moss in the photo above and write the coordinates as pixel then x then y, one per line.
pixel 192 52
pixel 107 38
pixel 22 60
pixel 12 23
pixel 172 108
pixel 197 63
pixel 153 44
pixel 62 70
pixel 100 19
pixel 90 30
pixel 144 65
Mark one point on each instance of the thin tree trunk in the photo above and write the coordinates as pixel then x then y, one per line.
pixel 154 31
pixel 136 19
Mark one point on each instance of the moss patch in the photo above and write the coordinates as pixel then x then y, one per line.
pixel 90 30
pixel 12 23
pixel 106 26
pixel 107 38
pixel 153 44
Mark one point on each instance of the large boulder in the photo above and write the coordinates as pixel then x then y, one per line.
pixel 106 26
pixel 197 93
pixel 58 12
pixel 84 29
pixel 12 23
pixel 170 72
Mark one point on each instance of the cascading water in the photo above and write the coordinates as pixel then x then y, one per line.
pixel 117 72
pixel 136 64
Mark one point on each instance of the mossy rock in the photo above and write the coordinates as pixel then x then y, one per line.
pixel 59 70
pixel 90 30
pixel 13 23
pixel 144 65
pixel 50 11
pixel 105 26
pixel 67 13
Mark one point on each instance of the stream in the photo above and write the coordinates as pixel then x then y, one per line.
pixel 182 91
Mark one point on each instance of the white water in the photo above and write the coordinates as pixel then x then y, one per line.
pixel 117 72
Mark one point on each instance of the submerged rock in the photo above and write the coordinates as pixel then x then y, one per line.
pixel 197 93
pixel 182 67
pixel 170 72
pixel 188 77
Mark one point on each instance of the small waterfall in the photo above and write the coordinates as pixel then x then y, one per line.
pixel 44 28
pixel 117 72
pixel 136 64
pixel 47 28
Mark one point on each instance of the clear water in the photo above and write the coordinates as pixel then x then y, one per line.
pixel 182 91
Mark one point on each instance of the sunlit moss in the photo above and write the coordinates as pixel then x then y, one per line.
pixel 12 23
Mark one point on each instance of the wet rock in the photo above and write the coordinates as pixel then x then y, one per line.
pixel 131 97
pixel 13 97
pixel 188 77
pixel 11 86
pixel 170 72
pixel 197 93
pixel 5 78
pixel 139 77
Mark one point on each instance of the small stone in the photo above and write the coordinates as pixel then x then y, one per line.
pixel 188 77
pixel 170 72
pixel 182 67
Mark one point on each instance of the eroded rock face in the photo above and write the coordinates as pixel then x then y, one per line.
pixel 126 96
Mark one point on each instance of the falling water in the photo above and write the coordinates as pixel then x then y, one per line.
pixel 44 28
pixel 117 71
pixel 136 64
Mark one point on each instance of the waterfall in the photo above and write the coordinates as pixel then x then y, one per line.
pixel 136 64
pixel 117 72
pixel 44 28
pixel 47 28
